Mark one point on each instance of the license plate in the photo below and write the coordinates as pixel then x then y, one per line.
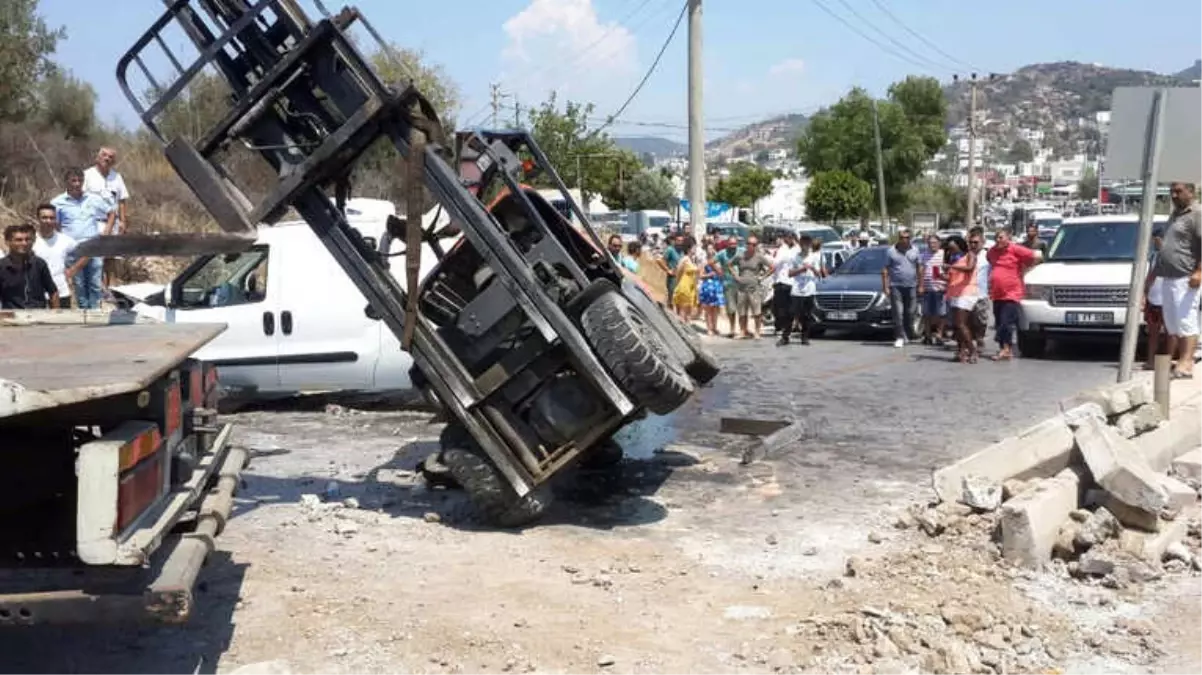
pixel 840 316
pixel 1089 317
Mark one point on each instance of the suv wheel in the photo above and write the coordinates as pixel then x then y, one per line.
pixel 702 366
pixel 1032 345
pixel 495 501
pixel 635 355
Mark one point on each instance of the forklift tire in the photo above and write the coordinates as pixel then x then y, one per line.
pixel 701 364
pixel 604 455
pixel 635 355
pixel 436 473
pixel 490 493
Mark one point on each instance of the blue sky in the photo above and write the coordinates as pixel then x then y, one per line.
pixel 762 57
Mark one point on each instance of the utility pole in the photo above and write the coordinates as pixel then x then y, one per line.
pixel 494 91
pixel 517 113
pixel 697 204
pixel 880 168
pixel 972 153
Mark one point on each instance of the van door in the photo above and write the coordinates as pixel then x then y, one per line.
pixel 327 343
pixel 233 289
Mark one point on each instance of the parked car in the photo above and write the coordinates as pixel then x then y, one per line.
pixel 851 299
pixel 297 324
pixel 1080 291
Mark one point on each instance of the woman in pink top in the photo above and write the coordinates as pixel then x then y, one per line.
pixel 1007 263
pixel 962 294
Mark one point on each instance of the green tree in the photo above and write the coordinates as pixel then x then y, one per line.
pixel 746 185
pixel 26 44
pixel 610 174
pixel 582 156
pixel 1020 152
pixel 911 123
pixel 835 195
pixel 650 190
pixel 936 197
pixel 1087 187
pixel 431 80
pixel 68 104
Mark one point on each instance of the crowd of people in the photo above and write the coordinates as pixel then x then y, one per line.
pixel 42 268
pixel 960 284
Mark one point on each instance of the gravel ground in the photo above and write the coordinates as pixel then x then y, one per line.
pixel 340 559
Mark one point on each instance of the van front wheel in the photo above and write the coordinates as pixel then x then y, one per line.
pixel 490 493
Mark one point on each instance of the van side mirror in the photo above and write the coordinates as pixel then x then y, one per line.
pixel 371 313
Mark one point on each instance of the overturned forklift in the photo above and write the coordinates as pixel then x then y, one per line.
pixel 535 343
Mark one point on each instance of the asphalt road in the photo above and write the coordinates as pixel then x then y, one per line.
pixel 870 408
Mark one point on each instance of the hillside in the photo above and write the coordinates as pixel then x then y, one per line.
pixel 1192 73
pixel 1050 97
pixel 770 134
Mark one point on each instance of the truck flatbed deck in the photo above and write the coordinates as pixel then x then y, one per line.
pixel 51 358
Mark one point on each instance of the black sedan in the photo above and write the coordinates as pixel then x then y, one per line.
pixel 851 299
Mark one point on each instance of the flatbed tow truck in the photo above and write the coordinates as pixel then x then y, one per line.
pixel 116 475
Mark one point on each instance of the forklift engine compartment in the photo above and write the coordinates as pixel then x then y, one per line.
pixel 537 344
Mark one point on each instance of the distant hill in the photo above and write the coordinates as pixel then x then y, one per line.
pixel 660 147
pixel 1052 97
pixel 1192 73
pixel 771 134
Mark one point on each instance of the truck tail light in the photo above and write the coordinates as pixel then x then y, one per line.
pixel 173 410
pixel 211 387
pixel 140 481
pixel 196 386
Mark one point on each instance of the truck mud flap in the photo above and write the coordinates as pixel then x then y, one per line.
pixel 162 593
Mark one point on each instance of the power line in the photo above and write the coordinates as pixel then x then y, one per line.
pixel 885 10
pixel 904 48
pixel 850 26
pixel 650 71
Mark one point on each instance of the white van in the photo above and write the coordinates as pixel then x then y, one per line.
pixel 1080 290
pixel 297 324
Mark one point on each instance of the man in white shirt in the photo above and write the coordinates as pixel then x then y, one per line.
pixel 103 180
pixel 804 270
pixel 54 247
pixel 782 283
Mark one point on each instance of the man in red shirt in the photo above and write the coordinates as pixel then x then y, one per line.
pixel 1007 263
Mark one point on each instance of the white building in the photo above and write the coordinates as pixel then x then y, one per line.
pixel 786 202
pixel 1032 136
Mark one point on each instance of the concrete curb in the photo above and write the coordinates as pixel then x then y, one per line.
pixel 1048 448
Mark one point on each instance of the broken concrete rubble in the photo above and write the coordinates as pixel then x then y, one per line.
pixel 1117 465
pixel 1042 450
pixel 981 493
pixel 1031 522
pixel 1188 467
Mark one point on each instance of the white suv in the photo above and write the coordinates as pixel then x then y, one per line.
pixel 1080 290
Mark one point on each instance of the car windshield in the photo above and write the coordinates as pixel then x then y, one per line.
pixel 824 235
pixel 864 261
pixel 1049 223
pixel 1094 241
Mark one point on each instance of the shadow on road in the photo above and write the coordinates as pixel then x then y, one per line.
pixel 194 647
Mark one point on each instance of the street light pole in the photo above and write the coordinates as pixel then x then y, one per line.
pixel 880 168
pixel 697 204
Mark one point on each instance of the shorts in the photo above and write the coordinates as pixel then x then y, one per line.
pixel 933 304
pixel 964 302
pixel 749 302
pixel 732 298
pixel 1156 292
pixel 1180 307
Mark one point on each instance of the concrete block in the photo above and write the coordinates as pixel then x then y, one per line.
pixel 1131 516
pixel 1181 496
pixel 1118 467
pixel 981 493
pixel 1038 452
pixel 1125 425
pixel 1115 399
pixel 1141 420
pixel 1189 465
pixel 1150 546
pixel 1074 416
pixel 1180 434
pixel 1031 521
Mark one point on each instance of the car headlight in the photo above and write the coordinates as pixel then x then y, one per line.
pixel 881 301
pixel 1038 292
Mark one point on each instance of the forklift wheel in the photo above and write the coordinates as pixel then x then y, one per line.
pixel 635 355
pixel 437 474
pixel 604 455
pixel 701 364
pixel 490 492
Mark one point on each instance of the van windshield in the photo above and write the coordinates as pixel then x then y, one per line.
pixel 825 234
pixel 1094 242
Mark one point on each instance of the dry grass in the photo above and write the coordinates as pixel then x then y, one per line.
pixel 32 163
